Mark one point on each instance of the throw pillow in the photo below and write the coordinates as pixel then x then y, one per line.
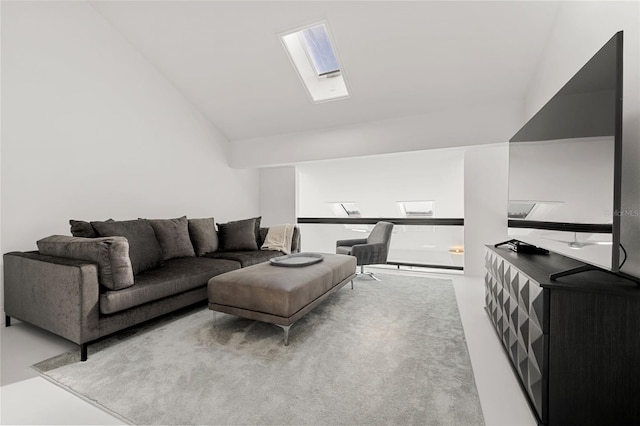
pixel 203 235
pixel 279 238
pixel 81 228
pixel 144 249
pixel 110 253
pixel 173 236
pixel 239 234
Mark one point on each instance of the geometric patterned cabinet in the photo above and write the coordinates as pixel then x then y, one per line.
pixel 574 343
pixel 516 305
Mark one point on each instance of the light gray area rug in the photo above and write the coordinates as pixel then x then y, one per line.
pixel 389 352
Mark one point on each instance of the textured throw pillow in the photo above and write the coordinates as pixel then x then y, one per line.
pixel 110 253
pixel 239 234
pixel 144 249
pixel 173 236
pixel 203 235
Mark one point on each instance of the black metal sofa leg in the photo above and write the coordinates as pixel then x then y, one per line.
pixel 83 352
pixel 7 321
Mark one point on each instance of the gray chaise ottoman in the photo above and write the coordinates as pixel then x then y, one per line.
pixel 279 295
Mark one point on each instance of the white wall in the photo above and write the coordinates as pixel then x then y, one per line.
pixel 483 124
pixel 91 130
pixel 581 29
pixel 376 184
pixel 278 195
pixel 469 182
pixel 486 174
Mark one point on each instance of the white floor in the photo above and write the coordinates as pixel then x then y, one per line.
pixel 26 398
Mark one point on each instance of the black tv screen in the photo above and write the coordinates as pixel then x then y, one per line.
pixel 565 166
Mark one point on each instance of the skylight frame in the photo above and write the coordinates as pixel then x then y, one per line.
pixel 410 209
pixel 325 87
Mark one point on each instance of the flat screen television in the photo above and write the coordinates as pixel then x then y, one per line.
pixel 565 166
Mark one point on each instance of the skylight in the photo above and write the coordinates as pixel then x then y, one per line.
pixel 316 42
pixel 520 209
pixel 351 209
pixel 416 208
pixel 531 210
pixel 314 56
pixel 346 209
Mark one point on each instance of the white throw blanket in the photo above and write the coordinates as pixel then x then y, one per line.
pixel 279 238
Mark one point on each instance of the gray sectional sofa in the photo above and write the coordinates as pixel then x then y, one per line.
pixel 112 275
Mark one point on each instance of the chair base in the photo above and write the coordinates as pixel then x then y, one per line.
pixel 362 272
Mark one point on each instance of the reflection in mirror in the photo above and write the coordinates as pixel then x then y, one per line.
pixel 563 181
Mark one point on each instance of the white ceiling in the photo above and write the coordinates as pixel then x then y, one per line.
pixel 399 58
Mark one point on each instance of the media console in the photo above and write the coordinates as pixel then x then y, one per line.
pixel 573 343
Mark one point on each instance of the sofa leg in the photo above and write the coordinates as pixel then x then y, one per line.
pixel 351 284
pixel 285 328
pixel 83 352
pixel 7 321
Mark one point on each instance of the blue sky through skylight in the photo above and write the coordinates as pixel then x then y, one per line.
pixel 316 42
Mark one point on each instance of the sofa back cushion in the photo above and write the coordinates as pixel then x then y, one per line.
pixel 110 253
pixel 203 235
pixel 144 249
pixel 173 236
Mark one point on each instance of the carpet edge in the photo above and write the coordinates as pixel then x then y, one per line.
pixel 83 397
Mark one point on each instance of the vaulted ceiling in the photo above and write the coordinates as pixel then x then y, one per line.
pixel 399 58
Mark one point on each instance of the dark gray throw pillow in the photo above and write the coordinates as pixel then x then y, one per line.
pixel 203 235
pixel 173 236
pixel 144 249
pixel 239 234
pixel 81 228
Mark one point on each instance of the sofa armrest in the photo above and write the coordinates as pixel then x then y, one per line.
pixel 57 294
pixel 370 254
pixel 350 243
pixel 296 242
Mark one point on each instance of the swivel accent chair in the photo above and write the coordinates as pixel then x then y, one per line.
pixel 369 251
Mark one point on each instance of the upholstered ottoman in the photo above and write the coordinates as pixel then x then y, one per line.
pixel 279 295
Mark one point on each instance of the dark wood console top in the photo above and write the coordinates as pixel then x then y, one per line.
pixel 539 266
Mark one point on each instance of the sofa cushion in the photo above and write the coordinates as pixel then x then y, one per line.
pixel 240 234
pixel 173 277
pixel 246 258
pixel 110 253
pixel 173 236
pixel 203 235
pixel 144 249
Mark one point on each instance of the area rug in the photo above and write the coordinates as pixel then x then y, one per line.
pixel 388 352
